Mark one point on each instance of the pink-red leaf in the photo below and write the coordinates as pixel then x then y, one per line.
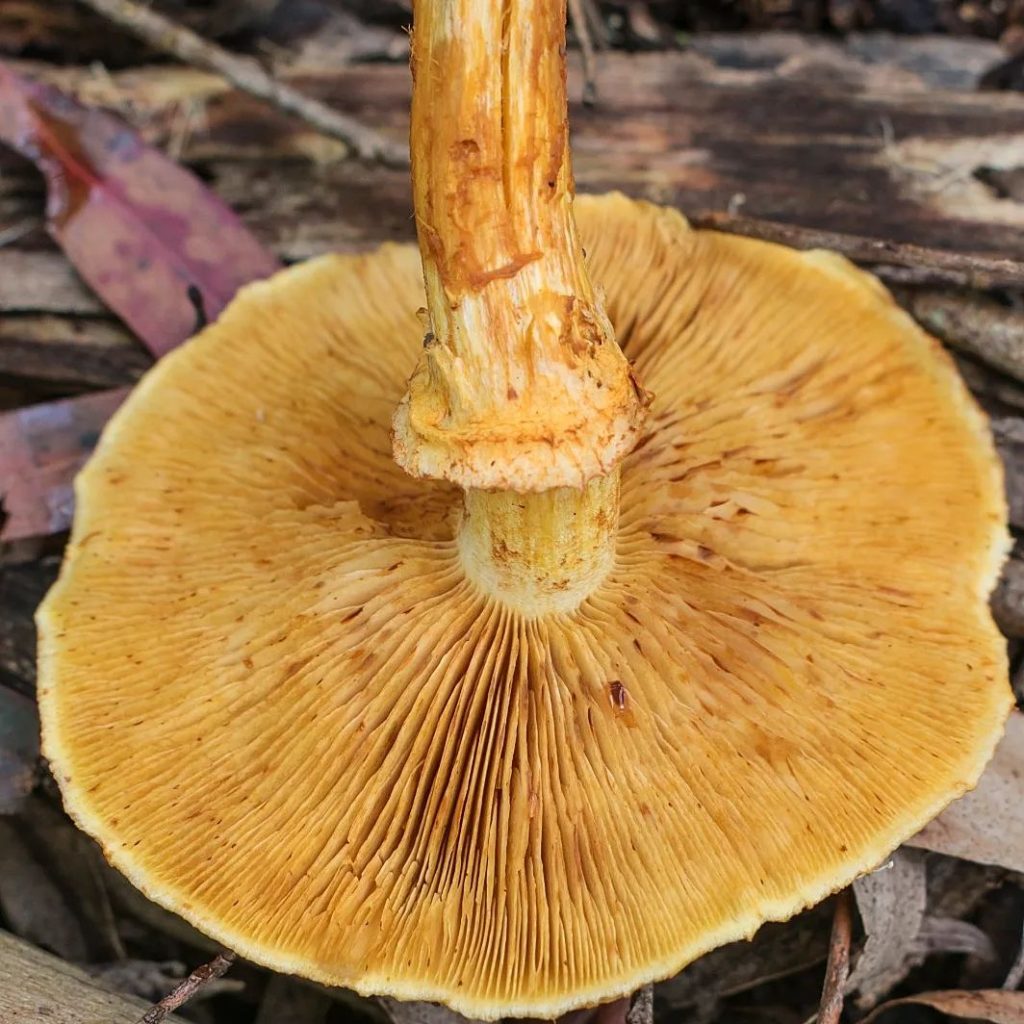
pixel 153 242
pixel 42 447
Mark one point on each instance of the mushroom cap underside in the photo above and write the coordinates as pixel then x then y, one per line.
pixel 271 694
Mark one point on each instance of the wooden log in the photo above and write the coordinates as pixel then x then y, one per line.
pixel 873 148
pixel 35 987
pixel 835 139
pixel 42 280
pixel 842 137
pixel 70 353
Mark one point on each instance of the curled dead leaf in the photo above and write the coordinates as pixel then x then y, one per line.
pixel 154 243
pixel 892 902
pixel 987 825
pixel 994 1005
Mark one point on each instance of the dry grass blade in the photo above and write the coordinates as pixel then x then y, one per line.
pixel 838 969
pixel 246 75
pixel 582 29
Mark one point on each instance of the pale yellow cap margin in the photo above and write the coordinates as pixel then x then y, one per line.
pixel 857 863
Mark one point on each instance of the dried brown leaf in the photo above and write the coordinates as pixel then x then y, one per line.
pixel 949 935
pixel 77 867
pixel 972 323
pixel 42 447
pixel 892 902
pixel 32 904
pixel 994 1005
pixel 1008 598
pixel 419 1013
pixel 776 951
pixel 640 1007
pixel 157 246
pixel 987 825
pixel 291 1001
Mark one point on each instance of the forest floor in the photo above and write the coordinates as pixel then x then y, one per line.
pixel 892 120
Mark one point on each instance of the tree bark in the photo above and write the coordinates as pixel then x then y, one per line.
pixel 35 986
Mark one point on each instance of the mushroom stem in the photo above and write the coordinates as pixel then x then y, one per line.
pixel 521 385
pixel 543 552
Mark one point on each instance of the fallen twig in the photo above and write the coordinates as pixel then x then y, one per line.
pixel 598 28
pixel 199 978
pixel 644 29
pixel 581 27
pixel 838 968
pixel 247 75
pixel 1016 973
pixel 972 323
pixel 975 271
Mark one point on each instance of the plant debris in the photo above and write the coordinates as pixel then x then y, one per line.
pixel 987 825
pixel 999 1007
pixel 838 968
pixel 932 927
pixel 164 34
pixel 193 985
pixel 157 246
pixel 140 229
pixel 892 902
pixel 42 447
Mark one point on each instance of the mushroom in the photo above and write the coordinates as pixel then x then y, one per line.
pixel 590 681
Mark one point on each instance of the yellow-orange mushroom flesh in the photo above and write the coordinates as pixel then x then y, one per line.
pixel 291 708
pixel 520 385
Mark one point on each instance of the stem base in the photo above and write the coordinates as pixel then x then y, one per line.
pixel 540 552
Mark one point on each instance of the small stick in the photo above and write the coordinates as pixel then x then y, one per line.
pixel 973 323
pixel 245 74
pixel 582 29
pixel 19 230
pixel 1016 972
pixel 838 968
pixel 597 25
pixel 199 978
pixel 978 271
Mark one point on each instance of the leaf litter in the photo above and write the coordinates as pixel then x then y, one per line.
pixel 987 825
pixel 168 257
pixel 141 230
pixel 158 247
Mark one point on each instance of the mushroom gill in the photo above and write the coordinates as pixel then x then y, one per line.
pixel 274 693
pixel 604 681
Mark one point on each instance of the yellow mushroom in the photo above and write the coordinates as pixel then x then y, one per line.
pixel 596 688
